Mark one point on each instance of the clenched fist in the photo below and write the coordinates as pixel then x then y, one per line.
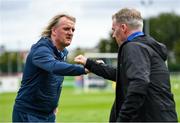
pixel 80 59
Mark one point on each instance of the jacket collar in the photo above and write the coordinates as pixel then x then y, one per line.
pixel 61 54
pixel 134 35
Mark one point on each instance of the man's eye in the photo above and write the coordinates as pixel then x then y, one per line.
pixel 73 29
pixel 66 29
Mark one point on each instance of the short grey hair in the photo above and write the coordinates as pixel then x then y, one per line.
pixel 54 22
pixel 131 17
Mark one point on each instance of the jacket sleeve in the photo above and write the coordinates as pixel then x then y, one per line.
pixel 102 70
pixel 44 59
pixel 136 61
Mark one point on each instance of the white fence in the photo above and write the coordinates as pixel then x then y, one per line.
pixel 9 83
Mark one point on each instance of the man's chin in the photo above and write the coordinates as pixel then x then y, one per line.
pixel 68 43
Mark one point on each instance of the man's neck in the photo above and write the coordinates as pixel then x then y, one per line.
pixel 134 34
pixel 56 44
pixel 133 31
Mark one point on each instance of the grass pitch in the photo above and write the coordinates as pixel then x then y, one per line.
pixel 79 106
pixel 75 106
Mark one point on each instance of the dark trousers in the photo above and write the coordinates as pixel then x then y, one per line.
pixel 112 117
pixel 18 116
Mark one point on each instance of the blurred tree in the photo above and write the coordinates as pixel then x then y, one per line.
pixel 177 51
pixel 166 29
pixel 108 45
pixel 104 43
pixel 3 62
pixel 8 62
pixel 73 54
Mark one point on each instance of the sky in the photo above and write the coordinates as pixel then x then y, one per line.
pixel 22 21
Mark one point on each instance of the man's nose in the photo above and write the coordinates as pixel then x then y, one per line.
pixel 70 32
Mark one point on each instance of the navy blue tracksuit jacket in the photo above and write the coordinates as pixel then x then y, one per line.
pixel 43 76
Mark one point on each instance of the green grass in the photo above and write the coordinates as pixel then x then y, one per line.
pixel 175 79
pixel 6 105
pixel 74 106
pixel 79 106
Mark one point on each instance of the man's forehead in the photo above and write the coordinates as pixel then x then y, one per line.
pixel 65 20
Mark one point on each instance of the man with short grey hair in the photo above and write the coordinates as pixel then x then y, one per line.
pixel 143 91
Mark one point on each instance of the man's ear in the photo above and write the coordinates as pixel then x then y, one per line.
pixel 53 31
pixel 124 27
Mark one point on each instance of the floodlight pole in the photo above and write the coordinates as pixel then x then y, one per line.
pixel 9 55
pixel 147 3
pixel 19 57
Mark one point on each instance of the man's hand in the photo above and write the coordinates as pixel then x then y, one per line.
pixel 80 59
pixel 55 111
pixel 86 70
pixel 100 61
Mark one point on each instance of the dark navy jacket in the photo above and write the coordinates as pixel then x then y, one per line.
pixel 43 76
pixel 143 90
